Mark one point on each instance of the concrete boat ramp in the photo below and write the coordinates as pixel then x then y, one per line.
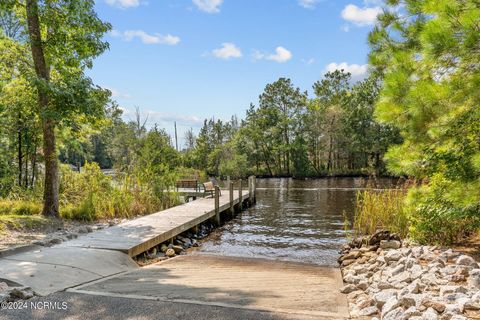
pixel 100 265
pixel 108 251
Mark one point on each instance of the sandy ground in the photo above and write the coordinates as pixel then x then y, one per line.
pixel 61 229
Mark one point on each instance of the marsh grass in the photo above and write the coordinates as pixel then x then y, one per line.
pixel 91 195
pixel 88 196
pixel 381 209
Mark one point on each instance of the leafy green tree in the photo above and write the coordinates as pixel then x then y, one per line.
pixel 428 52
pixel 64 37
pixel 157 161
pixel 282 103
pixel 367 139
pixel 332 93
pixel 19 122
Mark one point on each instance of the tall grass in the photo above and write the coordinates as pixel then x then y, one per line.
pixel 381 209
pixel 92 195
pixel 20 214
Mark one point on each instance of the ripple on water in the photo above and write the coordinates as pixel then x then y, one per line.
pixel 290 223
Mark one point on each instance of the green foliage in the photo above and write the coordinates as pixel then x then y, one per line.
pixel 234 164
pixel 19 207
pixel 20 214
pixel 443 210
pixel 428 53
pixel 333 133
pixel 91 195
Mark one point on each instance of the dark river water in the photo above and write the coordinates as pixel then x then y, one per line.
pixel 294 220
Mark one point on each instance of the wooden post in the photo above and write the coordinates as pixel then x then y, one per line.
pixel 217 205
pixel 230 187
pixel 250 185
pixel 254 179
pixel 240 195
pixel 228 182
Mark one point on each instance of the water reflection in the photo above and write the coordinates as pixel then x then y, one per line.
pixel 295 220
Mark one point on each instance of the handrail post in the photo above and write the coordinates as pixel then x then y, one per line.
pixel 217 205
pixel 232 210
pixel 240 198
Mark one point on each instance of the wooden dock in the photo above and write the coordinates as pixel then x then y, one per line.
pixel 141 234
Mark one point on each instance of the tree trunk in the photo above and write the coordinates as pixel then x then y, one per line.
pixel 287 160
pixel 20 154
pixel 27 150
pixel 265 159
pixel 330 150
pixel 50 193
pixel 34 164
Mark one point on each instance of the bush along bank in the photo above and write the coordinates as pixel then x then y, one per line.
pixel 390 279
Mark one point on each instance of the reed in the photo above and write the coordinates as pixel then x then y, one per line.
pixel 381 209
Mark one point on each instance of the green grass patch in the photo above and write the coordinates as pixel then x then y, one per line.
pixel 21 215
pixel 20 207
pixel 22 222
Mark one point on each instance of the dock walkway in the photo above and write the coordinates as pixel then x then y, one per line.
pixel 108 251
pixel 137 236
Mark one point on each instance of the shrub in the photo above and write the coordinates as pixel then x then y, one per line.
pixel 91 195
pixel 443 210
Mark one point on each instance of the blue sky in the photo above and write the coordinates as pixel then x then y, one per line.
pixel 186 60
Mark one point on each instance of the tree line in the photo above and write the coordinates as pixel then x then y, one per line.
pixel 290 134
pixel 415 115
pixel 51 111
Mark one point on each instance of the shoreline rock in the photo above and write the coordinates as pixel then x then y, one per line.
pixel 387 278
pixel 11 294
pixel 179 245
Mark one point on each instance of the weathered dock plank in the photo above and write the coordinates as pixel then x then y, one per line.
pixel 136 236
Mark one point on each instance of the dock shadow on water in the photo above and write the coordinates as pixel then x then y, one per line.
pixel 293 220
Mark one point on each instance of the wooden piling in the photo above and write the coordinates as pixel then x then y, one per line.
pixel 250 191
pixel 217 205
pixel 254 196
pixel 232 209
pixel 240 198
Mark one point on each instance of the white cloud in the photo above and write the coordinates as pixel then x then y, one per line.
pixel 210 6
pixel 146 38
pixel 123 3
pixel 358 71
pixel 227 51
pixel 308 4
pixel 164 117
pixel 361 16
pixel 281 55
